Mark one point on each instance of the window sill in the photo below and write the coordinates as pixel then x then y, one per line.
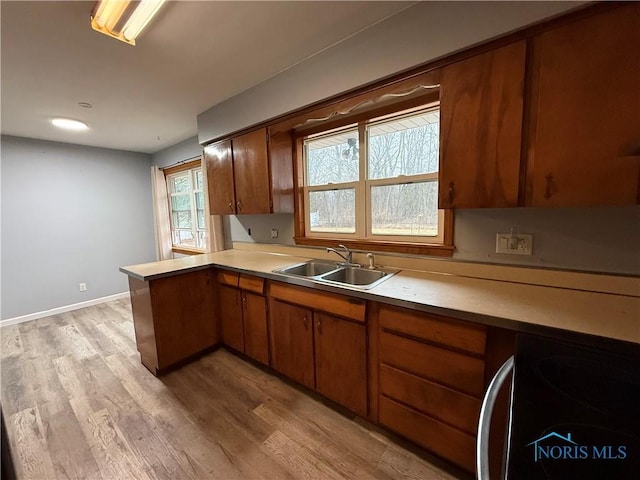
pixel 380 246
pixel 187 250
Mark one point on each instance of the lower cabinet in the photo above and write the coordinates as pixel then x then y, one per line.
pixel 292 341
pixel 341 363
pixel 312 345
pixel 174 318
pixel 430 380
pixel 243 315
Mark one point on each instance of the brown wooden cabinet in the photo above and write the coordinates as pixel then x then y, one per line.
pixel 218 163
pixel 243 314
pixel 231 324
pixel 291 341
pixel 481 109
pixel 174 318
pixel 250 174
pixel 584 134
pixel 429 374
pixel 314 346
pixel 341 361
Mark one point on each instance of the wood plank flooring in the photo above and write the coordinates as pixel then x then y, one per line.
pixel 78 404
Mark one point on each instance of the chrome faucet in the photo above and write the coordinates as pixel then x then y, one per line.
pixel 347 256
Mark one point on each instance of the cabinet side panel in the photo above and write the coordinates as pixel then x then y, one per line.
pixel 184 315
pixel 281 162
pixel 143 323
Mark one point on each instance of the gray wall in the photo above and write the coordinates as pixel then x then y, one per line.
pixel 587 239
pixel 184 150
pixel 70 214
pixel 421 33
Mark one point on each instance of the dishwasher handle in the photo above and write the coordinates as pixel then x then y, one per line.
pixel 486 411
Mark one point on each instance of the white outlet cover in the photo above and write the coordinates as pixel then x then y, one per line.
pixel 514 244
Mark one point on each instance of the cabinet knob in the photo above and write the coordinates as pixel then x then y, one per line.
pixel 231 206
pixel 319 325
pixel 239 204
pixel 550 187
pixel 305 322
pixel 452 192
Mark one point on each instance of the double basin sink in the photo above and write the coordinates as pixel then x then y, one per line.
pixel 333 273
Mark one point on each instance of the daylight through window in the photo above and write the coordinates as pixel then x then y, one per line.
pixel 186 205
pixel 376 180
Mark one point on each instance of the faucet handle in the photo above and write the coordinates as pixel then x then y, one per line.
pixel 372 261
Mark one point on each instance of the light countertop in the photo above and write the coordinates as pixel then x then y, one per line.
pixel 517 306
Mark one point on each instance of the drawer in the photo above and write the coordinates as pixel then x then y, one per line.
pixel 226 277
pixel 251 283
pixel 435 328
pixel 339 305
pixel 449 443
pixel 452 369
pixel 452 407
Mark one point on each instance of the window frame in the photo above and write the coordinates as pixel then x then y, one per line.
pixel 193 167
pixel 442 245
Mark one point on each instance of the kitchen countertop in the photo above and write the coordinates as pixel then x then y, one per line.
pixel 517 306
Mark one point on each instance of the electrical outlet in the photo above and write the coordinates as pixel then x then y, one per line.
pixel 274 233
pixel 514 243
pixel 82 286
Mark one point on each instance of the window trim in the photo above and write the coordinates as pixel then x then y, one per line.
pixel 378 243
pixel 177 169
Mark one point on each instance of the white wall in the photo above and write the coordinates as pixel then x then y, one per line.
pixel 70 214
pixel 421 33
pixel 588 239
pixel 185 150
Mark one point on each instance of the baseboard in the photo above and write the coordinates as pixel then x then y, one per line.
pixel 58 310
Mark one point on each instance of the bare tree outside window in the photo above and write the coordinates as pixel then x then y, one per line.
pixel 388 189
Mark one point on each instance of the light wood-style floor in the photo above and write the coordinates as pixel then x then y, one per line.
pixel 78 404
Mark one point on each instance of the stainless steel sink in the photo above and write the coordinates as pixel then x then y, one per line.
pixel 354 276
pixel 308 269
pixel 332 273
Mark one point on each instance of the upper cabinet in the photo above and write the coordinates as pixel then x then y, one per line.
pixel 481 105
pixel 570 138
pixel 219 166
pixel 251 173
pixel 584 136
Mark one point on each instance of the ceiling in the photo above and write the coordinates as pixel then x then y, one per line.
pixel 192 56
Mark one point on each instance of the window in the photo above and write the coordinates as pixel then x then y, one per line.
pixel 376 180
pixel 186 207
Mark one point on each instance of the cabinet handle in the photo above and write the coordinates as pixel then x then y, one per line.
pixel 452 192
pixel 305 322
pixel 231 205
pixel 244 299
pixel 549 190
pixel 319 325
pixel 239 206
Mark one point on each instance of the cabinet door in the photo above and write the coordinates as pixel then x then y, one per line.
pixel 231 317
pixel 481 106
pixel 219 167
pixel 183 309
pixel 254 315
pixel 584 144
pixel 251 170
pixel 341 361
pixel 291 340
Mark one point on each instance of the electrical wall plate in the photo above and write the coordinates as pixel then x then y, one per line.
pixel 514 243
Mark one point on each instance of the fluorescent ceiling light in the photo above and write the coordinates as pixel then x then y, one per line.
pixel 69 124
pixel 123 19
